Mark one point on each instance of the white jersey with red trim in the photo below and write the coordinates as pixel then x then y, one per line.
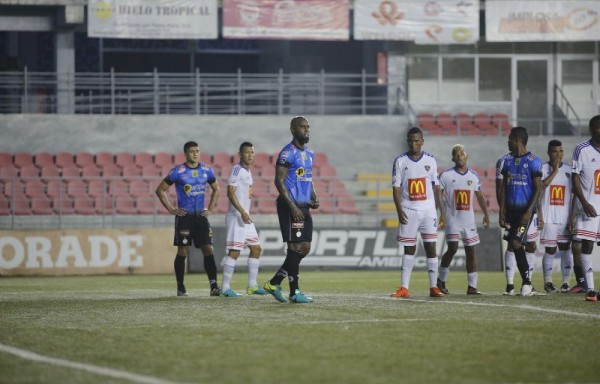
pixel 556 198
pixel 586 163
pixel 459 196
pixel 416 178
pixel 241 178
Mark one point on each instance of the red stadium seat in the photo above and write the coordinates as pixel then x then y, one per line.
pixel 43 159
pixel 91 170
pixel 9 172
pixel 97 188
pixel 4 206
pixel 55 188
pixel 327 171
pixel 76 188
pixel 64 205
pixel 64 159
pixel 84 205
pixel 23 159
pixel 21 205
pixel 71 172
pixel 123 159
pixel 205 158
pixel 150 170
pixel 326 204
pixel 140 188
pixel 268 173
pixel 346 204
pixel 501 121
pixel 143 159
pixel 30 171
pixel 84 159
pixel 148 206
pixel 262 159
pixel 5 159
pixel 179 158
pixel 163 159
pixel 41 206
pixel 111 170
pixel 132 170
pixel 222 159
pixel 465 125
pixel 446 122
pixel 125 205
pixel 35 189
pixel 104 205
pixel 266 206
pixel 104 158
pixel 50 171
pixel 118 188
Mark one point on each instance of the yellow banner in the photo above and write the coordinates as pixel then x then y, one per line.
pixel 86 252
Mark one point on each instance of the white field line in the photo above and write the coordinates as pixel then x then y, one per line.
pixel 519 306
pixel 115 373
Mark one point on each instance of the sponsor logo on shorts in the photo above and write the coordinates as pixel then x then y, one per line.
pixel 298 225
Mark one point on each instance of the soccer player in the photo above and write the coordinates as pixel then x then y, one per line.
pixel 510 263
pixel 416 191
pixel 460 185
pixel 293 179
pixel 519 196
pixel 241 231
pixel 556 204
pixel 191 217
pixel 586 187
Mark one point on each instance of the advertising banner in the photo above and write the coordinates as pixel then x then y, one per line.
pixel 153 19
pixel 86 252
pixel 286 19
pixel 424 22
pixel 575 20
pixel 356 249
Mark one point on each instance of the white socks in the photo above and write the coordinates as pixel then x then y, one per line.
pixel 472 279
pixel 548 265
pixel 228 267
pixel 252 272
pixel 444 274
pixel 586 265
pixel 432 267
pixel 511 266
pixel 531 262
pixel 566 265
pixel 408 262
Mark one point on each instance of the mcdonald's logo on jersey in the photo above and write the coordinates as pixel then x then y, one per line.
pixel 417 189
pixel 557 195
pixel 597 182
pixel 462 199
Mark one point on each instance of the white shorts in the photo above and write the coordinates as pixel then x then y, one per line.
pixel 239 234
pixel 424 222
pixel 554 233
pixel 587 228
pixel 469 236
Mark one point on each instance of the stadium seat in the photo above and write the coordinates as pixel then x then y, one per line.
pixel 483 121
pixel 268 173
pixel 84 205
pixel 163 159
pixel 478 170
pixel 118 188
pixel 104 158
pixel 465 125
pixel 345 204
pixel 5 159
pixel 266 206
pixel 50 171
pixel 41 206
pixel 76 188
pixel 111 170
pixel 35 189
pixel 4 206
pixel 71 172
pixel 321 158
pixel 150 170
pixel 262 159
pixel 104 205
pixel 222 204
pixel 205 158
pixel 222 159
pixel 326 204
pixel 64 159
pixel 179 158
pixel 97 188
pixel 64 205
pixel 9 172
pixel 21 205
pixel 446 122
pixel 123 159
pixel 91 170
pixel 140 188
pixel 327 171
pixel 501 121
pixel 30 171
pixel 125 205
pixel 132 170
pixel 143 159
pixel 43 159
pixel 23 159
pixel 55 188
pixel 148 206
pixel 84 159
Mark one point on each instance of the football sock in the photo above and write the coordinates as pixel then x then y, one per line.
pixel 579 276
pixel 531 262
pixel 291 258
pixel 228 267
pixel 548 265
pixel 432 266
pixel 444 274
pixel 179 265
pixel 294 271
pixel 252 272
pixel 408 262
pixel 586 265
pixel 472 279
pixel 211 270
pixel 522 265
pixel 510 266
pixel 566 265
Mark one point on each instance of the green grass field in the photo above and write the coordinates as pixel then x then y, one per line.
pixel 123 329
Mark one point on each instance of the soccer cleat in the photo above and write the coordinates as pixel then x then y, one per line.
pixel 435 292
pixel 401 292
pixel 473 291
pixel 565 288
pixel 591 296
pixel 527 290
pixel 256 291
pixel 230 293
pixel 577 289
pixel 550 288
pixel 300 298
pixel 275 290
pixel 181 292
pixel 510 290
pixel 535 292
pixel 442 286
pixel 215 291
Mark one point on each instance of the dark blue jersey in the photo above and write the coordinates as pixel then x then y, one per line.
pixel 299 178
pixel 519 172
pixel 190 185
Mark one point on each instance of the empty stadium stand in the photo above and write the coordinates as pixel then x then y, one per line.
pixel 123 183
pixel 463 124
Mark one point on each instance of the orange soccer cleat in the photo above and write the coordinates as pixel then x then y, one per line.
pixel 401 292
pixel 435 292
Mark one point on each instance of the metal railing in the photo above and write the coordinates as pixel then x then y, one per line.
pixel 561 101
pixel 195 93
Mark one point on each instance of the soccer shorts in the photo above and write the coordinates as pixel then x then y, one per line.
pixel 192 228
pixel 526 234
pixel 239 234
pixel 294 232
pixel 423 222
pixel 587 228
pixel 554 233
pixel 469 236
